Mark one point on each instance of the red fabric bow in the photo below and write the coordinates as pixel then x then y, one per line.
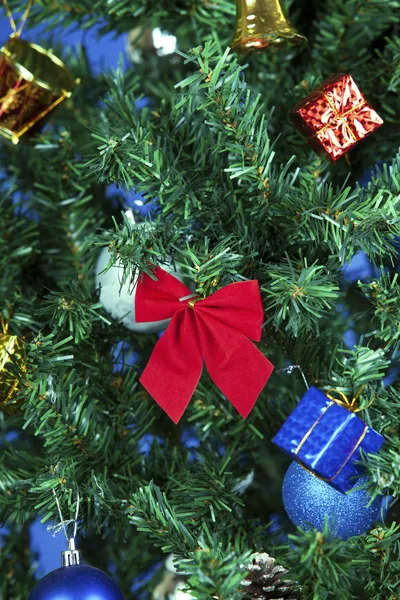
pixel 216 329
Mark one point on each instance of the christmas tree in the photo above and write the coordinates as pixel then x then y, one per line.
pixel 203 136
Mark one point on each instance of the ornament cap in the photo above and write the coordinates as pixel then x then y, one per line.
pixel 72 556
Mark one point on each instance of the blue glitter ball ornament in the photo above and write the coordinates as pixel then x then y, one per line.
pixel 76 582
pixel 309 500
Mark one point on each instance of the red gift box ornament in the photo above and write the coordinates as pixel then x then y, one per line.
pixel 335 117
pixel 217 329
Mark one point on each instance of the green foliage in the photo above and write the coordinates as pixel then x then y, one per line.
pixel 240 196
pixel 212 560
pixel 383 294
pixel 73 306
pixel 323 565
pixel 299 293
pixel 382 564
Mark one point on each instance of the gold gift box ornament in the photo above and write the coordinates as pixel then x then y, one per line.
pixel 12 350
pixel 33 81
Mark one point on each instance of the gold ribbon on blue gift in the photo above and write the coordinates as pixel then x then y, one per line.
pixel 352 406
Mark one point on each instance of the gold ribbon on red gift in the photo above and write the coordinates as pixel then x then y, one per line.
pixel 339 117
pixel 350 405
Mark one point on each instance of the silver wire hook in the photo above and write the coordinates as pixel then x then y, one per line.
pixel 64 524
pixel 289 370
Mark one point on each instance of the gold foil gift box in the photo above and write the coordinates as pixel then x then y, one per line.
pixel 12 350
pixel 33 81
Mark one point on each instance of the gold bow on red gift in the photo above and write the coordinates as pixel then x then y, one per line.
pixel 335 117
pixel 339 118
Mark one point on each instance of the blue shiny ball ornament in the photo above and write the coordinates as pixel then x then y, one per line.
pixel 76 582
pixel 309 500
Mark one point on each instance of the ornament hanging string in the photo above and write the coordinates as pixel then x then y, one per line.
pixel 343 400
pixel 62 525
pixel 18 31
pixel 289 370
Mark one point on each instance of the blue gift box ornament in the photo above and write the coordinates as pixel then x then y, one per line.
pixel 326 438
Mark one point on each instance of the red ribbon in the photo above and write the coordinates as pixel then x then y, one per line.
pixel 216 330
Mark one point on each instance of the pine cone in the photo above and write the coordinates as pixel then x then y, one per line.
pixel 264 580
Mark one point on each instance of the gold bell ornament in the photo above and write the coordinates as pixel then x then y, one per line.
pixel 12 351
pixel 261 24
pixel 33 81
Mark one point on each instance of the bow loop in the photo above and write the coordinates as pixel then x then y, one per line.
pixel 159 298
pixel 239 306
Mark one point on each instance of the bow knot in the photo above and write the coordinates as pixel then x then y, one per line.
pixel 218 332
pixel 192 302
pixel 343 400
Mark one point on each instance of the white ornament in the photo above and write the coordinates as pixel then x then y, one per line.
pixel 118 298
pixel 169 565
pixel 180 594
pixel 155 41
